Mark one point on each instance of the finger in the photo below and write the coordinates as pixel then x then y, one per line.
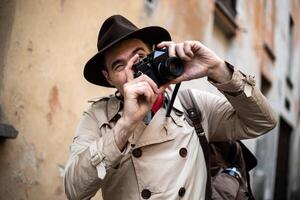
pixel 163 88
pixel 133 61
pixel 188 49
pixel 163 44
pixel 129 74
pixel 171 49
pixel 170 46
pixel 133 87
pixel 146 78
pixel 150 95
pixel 181 53
pixel 196 46
pixel 144 89
pixel 140 87
pixel 128 68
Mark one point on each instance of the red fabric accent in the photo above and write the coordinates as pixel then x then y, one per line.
pixel 158 103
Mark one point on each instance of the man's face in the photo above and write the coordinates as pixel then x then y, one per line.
pixel 116 60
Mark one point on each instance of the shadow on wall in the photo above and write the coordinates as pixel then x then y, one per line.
pixel 7 13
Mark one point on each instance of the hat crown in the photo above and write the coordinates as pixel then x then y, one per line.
pixel 114 28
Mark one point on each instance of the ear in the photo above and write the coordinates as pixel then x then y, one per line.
pixel 106 75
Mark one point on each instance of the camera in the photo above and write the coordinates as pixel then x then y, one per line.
pixel 159 66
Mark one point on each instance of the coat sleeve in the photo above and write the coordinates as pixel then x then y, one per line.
pixel 92 154
pixel 244 113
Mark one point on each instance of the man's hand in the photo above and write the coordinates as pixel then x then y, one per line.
pixel 199 61
pixel 139 95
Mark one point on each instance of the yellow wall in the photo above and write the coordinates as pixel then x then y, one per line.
pixel 43 93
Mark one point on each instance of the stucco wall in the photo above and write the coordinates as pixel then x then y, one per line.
pixel 44 46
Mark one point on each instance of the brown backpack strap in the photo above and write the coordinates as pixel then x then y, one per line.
pixel 192 112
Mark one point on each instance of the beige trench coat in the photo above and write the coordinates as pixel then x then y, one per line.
pixel 162 160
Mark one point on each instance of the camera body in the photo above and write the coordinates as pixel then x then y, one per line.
pixel 159 66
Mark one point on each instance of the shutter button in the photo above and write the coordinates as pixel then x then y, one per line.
pixel 146 194
pixel 137 152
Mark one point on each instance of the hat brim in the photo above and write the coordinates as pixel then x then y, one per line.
pixel 152 35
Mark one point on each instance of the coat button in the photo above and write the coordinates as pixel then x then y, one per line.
pixel 183 152
pixel 146 194
pixel 181 192
pixel 137 153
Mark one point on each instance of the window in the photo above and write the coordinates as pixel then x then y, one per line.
pixel 269 22
pixel 291 53
pixel 267 35
pixel 229 6
pixel 266 84
pixel 225 13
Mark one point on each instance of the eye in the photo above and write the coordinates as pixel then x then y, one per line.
pixel 119 67
pixel 142 55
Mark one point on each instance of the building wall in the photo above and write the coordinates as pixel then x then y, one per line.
pixel 45 44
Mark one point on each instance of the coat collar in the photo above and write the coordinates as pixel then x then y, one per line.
pixel 155 132
pixel 177 105
pixel 113 107
pixel 159 130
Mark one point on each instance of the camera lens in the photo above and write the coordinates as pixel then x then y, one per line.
pixel 175 66
pixel 171 68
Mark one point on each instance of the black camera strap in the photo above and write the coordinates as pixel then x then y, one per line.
pixel 171 102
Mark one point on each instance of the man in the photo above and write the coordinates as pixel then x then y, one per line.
pixel 126 146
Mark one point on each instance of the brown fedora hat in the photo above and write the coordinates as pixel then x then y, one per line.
pixel 114 30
